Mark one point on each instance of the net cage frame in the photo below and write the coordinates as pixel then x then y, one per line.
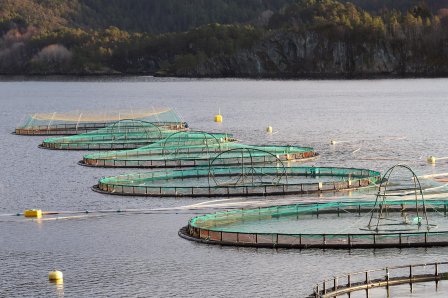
pixel 120 135
pixel 343 284
pixel 382 203
pixel 132 185
pixel 206 229
pixel 77 122
pixel 191 142
pixel 192 156
pixel 247 169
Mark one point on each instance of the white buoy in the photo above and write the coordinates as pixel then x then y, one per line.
pixel 55 275
pixel 269 129
pixel 332 142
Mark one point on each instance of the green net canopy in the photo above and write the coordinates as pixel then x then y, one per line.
pixel 225 219
pixel 124 134
pixel 238 181
pixel 76 122
pixel 186 149
pixel 318 225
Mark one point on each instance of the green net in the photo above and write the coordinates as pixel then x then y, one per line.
pixel 240 180
pixel 242 227
pixel 76 122
pixel 218 220
pixel 124 134
pixel 187 149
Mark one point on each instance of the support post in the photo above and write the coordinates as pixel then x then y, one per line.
pixel 387 277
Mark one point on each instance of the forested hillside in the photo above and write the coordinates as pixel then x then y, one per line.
pixel 403 5
pixel 157 16
pixel 152 16
pixel 272 38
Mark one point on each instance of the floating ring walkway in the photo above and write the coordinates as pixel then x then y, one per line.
pixel 316 226
pixel 238 181
pixel 77 122
pixel 366 281
pixel 125 134
pixel 191 149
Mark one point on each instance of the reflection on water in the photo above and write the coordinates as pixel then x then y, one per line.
pixel 59 288
pixel 375 124
pixel 416 290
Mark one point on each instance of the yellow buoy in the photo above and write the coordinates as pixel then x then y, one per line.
pixel 431 159
pixel 269 129
pixel 55 275
pixel 37 213
pixel 218 118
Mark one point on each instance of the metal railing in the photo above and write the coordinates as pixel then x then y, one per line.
pixel 348 241
pixel 74 129
pixel 182 158
pixel 384 277
pixel 211 228
pixel 134 184
pixel 233 190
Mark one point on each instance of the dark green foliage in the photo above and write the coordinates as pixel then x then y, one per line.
pixel 173 15
pixel 377 6
pixel 154 16
pixel 332 18
pixel 182 36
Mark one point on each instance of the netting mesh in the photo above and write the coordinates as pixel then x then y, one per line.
pixel 186 149
pixel 238 181
pixel 124 134
pixel 391 185
pixel 77 122
pixel 227 227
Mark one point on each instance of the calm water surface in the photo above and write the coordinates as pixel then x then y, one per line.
pixel 376 123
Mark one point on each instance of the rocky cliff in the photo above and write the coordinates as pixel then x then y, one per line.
pixel 292 54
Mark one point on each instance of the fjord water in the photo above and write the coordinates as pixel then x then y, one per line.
pixel 376 123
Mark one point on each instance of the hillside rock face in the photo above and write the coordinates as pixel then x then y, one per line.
pixel 289 54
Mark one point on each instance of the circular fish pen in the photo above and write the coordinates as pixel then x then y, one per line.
pixel 77 122
pixel 385 222
pixel 191 149
pixel 124 134
pixel 175 147
pixel 333 225
pixel 369 281
pixel 241 180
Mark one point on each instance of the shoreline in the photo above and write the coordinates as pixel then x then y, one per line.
pixel 335 77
